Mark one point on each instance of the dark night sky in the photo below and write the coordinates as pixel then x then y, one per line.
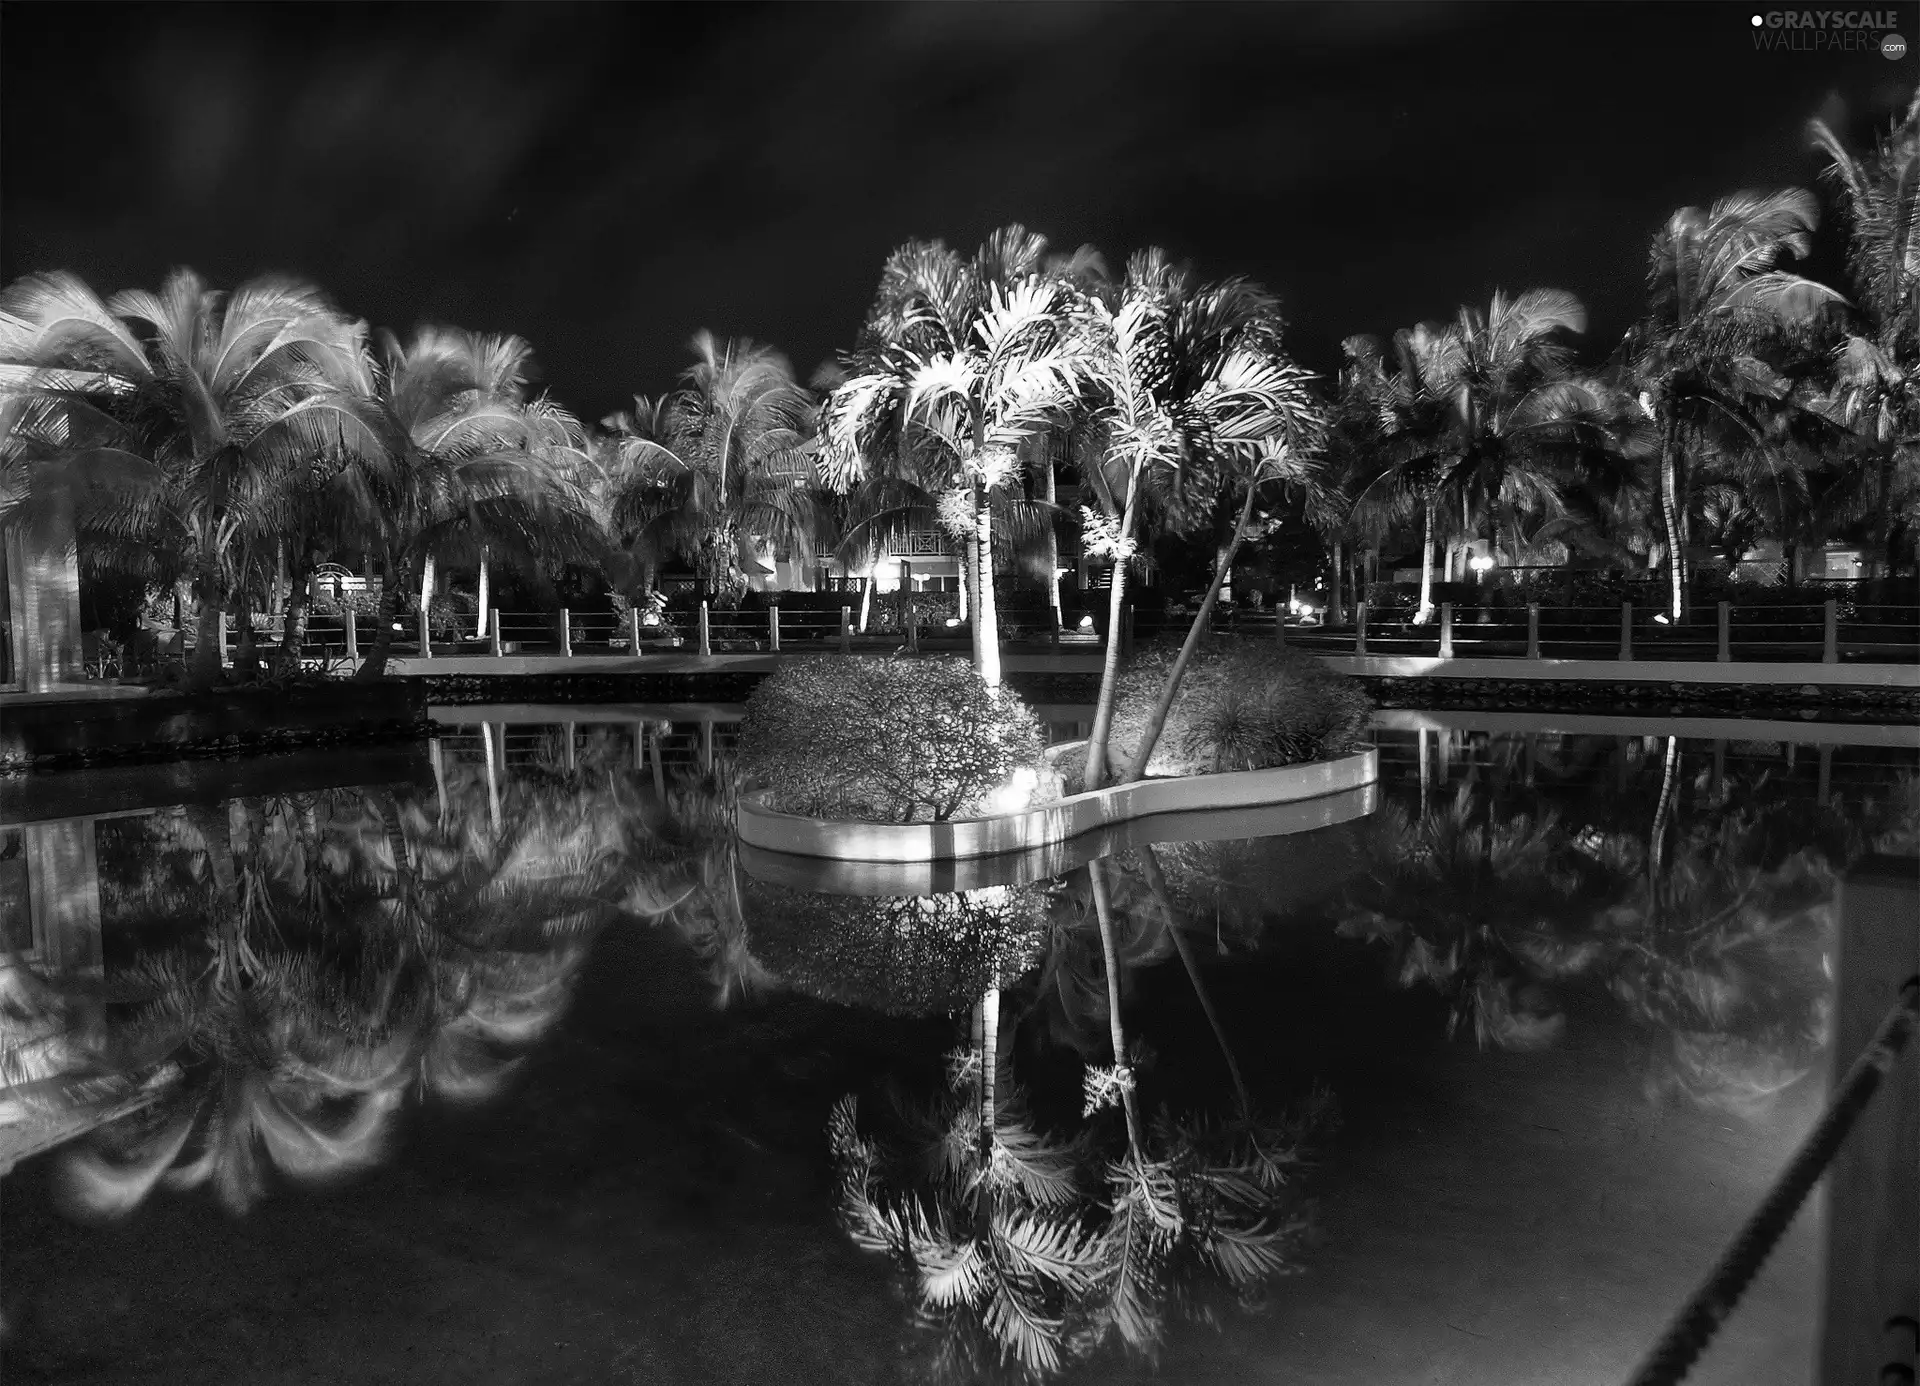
pixel 606 179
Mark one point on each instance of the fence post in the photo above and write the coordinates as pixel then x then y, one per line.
pixel 1725 652
pixel 1830 649
pixel 1279 624
pixel 706 745
pixel 353 635
pixel 913 628
pixel 846 630
pixel 567 755
pixel 426 637
pixel 566 633
pixel 1626 632
pixel 1873 1200
pixel 1533 631
pixel 633 629
pixel 773 627
pixel 706 631
pixel 225 620
pixel 1053 616
pixel 639 745
pixel 493 631
pixel 1446 630
pixel 1359 628
pixel 1126 643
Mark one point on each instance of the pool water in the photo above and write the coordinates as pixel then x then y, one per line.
pixel 507 1069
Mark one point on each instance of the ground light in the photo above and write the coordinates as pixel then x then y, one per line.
pixel 1016 793
pixel 953 620
pixel 1660 618
pixel 1086 623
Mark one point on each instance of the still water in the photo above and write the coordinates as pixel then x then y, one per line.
pixel 503 1064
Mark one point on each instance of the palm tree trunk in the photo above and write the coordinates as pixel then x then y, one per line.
pixel 1096 768
pixel 1883 545
pixel 986 622
pixel 1425 613
pixel 208 656
pixel 1050 495
pixel 480 629
pixel 1670 521
pixel 426 585
pixel 989 1027
pixel 866 602
pixel 1336 605
pixel 246 661
pixel 375 664
pixel 1157 720
pixel 1157 883
pixel 1103 910
pixel 293 621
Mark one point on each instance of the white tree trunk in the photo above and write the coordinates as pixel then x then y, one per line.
pixel 986 623
pixel 426 584
pixel 480 631
pixel 1425 613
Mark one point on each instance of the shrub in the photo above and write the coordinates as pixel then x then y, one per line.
pixel 886 740
pixel 1244 705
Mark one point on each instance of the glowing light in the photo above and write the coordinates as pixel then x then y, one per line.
pixel 1086 623
pixel 398 626
pixel 1016 793
pixel 1660 618
pixel 953 621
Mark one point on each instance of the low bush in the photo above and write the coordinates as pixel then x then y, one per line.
pixel 888 741
pixel 1243 705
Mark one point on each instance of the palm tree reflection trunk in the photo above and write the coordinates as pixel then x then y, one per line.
pixel 1103 909
pixel 1157 883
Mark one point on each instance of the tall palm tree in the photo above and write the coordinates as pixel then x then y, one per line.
pixel 1193 392
pixel 472 468
pixel 1716 305
pixel 236 402
pixel 971 359
pixel 724 460
pixel 1875 394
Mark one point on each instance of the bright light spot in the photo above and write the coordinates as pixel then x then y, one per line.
pixel 1086 623
pixel 398 626
pixel 1480 563
pixel 953 620
pixel 1016 793
pixel 1660 618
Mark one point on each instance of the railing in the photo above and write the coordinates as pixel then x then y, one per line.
pixel 1832 632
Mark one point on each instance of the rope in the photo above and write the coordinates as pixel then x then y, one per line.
pixel 1697 1323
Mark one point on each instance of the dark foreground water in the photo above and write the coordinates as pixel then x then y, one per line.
pixel 508 1071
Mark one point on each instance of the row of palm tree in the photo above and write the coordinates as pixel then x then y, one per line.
pixel 223 443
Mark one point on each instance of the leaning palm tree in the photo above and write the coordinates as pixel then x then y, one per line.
pixel 229 404
pixel 1193 394
pixel 1716 305
pixel 971 359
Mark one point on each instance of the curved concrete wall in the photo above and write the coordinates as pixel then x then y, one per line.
pixel 1046 825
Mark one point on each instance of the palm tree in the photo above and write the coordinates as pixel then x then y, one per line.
pixel 1874 394
pixel 472 467
pixel 1193 393
pixel 232 404
pixel 1716 304
pixel 723 460
pixel 971 359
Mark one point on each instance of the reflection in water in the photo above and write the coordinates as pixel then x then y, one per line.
pixel 288 978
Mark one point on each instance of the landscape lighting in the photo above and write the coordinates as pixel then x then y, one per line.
pixel 1086 623
pixel 953 621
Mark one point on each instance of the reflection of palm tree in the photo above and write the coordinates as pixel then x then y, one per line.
pixel 1187 1199
pixel 983 1224
pixel 1469 901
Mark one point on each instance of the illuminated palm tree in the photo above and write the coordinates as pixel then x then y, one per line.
pixel 1194 396
pixel 961 363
